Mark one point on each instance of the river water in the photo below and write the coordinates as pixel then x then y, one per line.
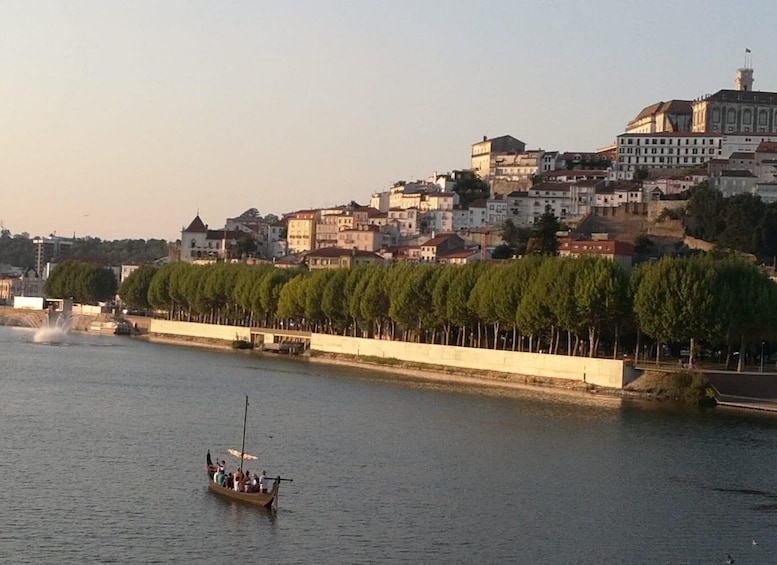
pixel 103 440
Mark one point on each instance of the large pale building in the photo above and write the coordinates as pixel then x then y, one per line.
pixel 301 231
pixel 49 248
pixel 668 150
pixel 199 244
pixel 486 153
pixel 740 110
pixel 675 115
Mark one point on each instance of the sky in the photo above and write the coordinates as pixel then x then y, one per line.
pixel 125 119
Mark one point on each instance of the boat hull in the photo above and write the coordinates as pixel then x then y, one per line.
pixel 263 499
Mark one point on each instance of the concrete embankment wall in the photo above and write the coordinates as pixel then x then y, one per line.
pixel 601 372
pixel 200 331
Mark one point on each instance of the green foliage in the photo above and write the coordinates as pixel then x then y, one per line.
pixel 502 251
pixel 17 250
pixel 246 247
pixel 687 387
pixel 120 251
pixel 552 300
pixel 516 239
pixel 545 239
pixel 159 289
pixel 644 245
pixel 134 289
pixel 470 187
pixel 86 283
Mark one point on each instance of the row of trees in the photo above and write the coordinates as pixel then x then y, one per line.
pixel 576 306
pixel 87 283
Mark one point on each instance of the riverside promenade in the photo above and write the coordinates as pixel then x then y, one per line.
pixel 751 390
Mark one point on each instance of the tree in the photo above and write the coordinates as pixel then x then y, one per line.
pixel 644 245
pixel 134 289
pixel 17 250
pixel 674 300
pixel 250 213
pixel 246 247
pixel 601 294
pixel 641 174
pixel 86 283
pixel 545 239
pixel 745 305
pixel 458 309
pixel 333 301
pixel 470 187
pixel 741 216
pixel 703 212
pixel 159 289
pixel 502 251
pixel 375 300
pixel 516 238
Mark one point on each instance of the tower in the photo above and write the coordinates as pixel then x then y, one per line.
pixel 745 74
pixel 744 79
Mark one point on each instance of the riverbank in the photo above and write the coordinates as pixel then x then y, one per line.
pixel 476 381
pixel 476 369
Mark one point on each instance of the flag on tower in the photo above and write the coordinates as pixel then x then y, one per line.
pixel 747 50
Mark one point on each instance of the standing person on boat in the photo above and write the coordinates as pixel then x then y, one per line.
pixel 211 467
pixel 255 483
pixel 264 482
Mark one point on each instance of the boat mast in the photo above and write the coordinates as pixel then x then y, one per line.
pixel 243 447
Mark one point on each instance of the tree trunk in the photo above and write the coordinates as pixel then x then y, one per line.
pixel 741 362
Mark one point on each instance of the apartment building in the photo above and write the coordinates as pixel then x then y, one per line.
pixel 667 151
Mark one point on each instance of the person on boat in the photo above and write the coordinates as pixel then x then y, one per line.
pixel 264 482
pixel 218 477
pixel 255 483
pixel 211 467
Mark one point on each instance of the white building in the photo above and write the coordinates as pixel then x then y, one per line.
pixel 663 151
pixel 486 153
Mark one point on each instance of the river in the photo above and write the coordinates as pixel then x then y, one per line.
pixel 103 441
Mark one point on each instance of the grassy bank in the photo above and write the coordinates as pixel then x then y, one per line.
pixel 688 387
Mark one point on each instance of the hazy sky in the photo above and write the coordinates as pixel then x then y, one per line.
pixel 122 119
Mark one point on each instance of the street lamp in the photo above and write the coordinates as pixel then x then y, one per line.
pixel 762 356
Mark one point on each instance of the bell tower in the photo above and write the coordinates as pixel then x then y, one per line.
pixel 744 79
pixel 745 74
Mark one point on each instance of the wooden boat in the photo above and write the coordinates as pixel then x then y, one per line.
pixel 267 499
pixel 264 499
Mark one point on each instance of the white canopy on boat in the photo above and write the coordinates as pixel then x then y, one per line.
pixel 243 456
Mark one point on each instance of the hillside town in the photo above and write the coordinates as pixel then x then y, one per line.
pixel 728 139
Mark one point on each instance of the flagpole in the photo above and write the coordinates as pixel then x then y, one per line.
pixel 243 447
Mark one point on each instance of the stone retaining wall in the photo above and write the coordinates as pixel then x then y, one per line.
pixel 600 372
